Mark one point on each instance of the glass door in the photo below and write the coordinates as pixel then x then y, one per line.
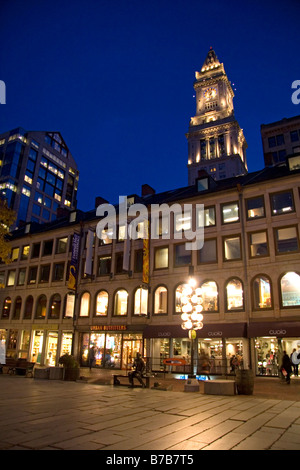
pixel 130 348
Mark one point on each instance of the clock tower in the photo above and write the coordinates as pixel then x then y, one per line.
pixel 216 142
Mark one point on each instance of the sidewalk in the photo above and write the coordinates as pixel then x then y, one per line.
pixel 41 414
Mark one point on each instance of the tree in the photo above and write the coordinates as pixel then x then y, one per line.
pixel 7 218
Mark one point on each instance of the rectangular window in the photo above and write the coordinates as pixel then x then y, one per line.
pixel 232 248
pixel 2 279
pixel 25 252
pixel 209 216
pixel 294 136
pixel 161 258
pixel 121 233
pixel 106 237
pixel 230 213
pixel 15 254
pixel 45 273
pixel 208 253
pixel 48 247
pixel 258 244
pixel 255 207
pixel 104 265
pixel 58 271
pixel 183 257
pixel 35 250
pixel 11 278
pixel 61 245
pixel 272 141
pixel 21 276
pixel 282 203
pixel 161 226
pixel 32 276
pixel 286 240
pixel 183 221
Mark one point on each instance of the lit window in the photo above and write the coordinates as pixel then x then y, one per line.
pixel 101 303
pixel 121 302
pixel 161 258
pixel 282 203
pixel 290 289
pixel 55 304
pixel 141 301
pixel 85 304
pixel 234 295
pixel 41 307
pixel 160 300
pixel 258 244
pixel 262 293
pixel 230 213
pixel 255 207
pixel 232 248
pixel 286 239
pixel 210 296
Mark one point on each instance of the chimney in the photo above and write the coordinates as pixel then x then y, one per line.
pixel 62 212
pixel 147 190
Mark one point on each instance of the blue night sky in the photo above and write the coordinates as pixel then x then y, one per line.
pixel 115 77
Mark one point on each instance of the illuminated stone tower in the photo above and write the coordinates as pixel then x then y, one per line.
pixel 216 142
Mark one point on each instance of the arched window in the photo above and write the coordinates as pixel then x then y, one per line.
pixel 160 300
pixel 6 307
pixel 210 296
pixel 180 291
pixel 141 301
pixel 101 303
pixel 55 304
pixel 28 308
pixel 85 304
pixel 17 308
pixel 41 305
pixel 261 292
pixel 234 295
pixel 121 302
pixel 290 289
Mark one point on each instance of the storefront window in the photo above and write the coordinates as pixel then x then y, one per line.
pixel 121 302
pixel 12 339
pixel 290 289
pixel 210 296
pixel 101 303
pixel 262 293
pixel 113 350
pixel 234 295
pixel 37 345
pixel 51 349
pixel 141 301
pixel 160 300
pixel 85 304
pixel 132 344
pixel 66 343
pixel 24 346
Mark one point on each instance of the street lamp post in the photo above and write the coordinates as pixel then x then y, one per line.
pixel 191 316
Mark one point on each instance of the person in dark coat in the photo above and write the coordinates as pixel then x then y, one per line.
pixel 139 367
pixel 286 366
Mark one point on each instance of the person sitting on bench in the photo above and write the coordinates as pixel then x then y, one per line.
pixel 139 367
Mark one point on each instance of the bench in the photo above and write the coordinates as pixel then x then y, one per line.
pixel 118 380
pixel 220 387
pixel 18 366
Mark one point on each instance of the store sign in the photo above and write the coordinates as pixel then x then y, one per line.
pixel 109 328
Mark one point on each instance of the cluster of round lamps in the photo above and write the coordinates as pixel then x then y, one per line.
pixel 191 301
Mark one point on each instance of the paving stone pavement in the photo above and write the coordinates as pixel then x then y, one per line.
pixel 53 414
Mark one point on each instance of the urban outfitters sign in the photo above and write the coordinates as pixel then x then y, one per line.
pixel 108 328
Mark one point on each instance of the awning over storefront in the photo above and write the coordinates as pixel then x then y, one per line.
pixel 218 330
pixel 278 329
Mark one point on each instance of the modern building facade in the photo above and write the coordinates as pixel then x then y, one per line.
pixel 248 269
pixel 279 139
pixel 216 143
pixel 37 175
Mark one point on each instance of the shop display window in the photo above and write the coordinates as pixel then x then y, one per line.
pixel 113 350
pixel 121 302
pixel 141 301
pixel 268 351
pixel 290 289
pixel 160 300
pixel 37 346
pixel 12 339
pixel 24 345
pixel 101 303
pixel 66 343
pixel 262 293
pixel 51 348
pixel 210 296
pixel 234 295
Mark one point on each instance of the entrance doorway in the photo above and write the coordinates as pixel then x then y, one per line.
pixel 130 348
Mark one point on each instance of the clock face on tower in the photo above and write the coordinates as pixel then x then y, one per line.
pixel 210 93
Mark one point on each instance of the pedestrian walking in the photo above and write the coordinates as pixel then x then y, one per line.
pixel 286 368
pixel 92 357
